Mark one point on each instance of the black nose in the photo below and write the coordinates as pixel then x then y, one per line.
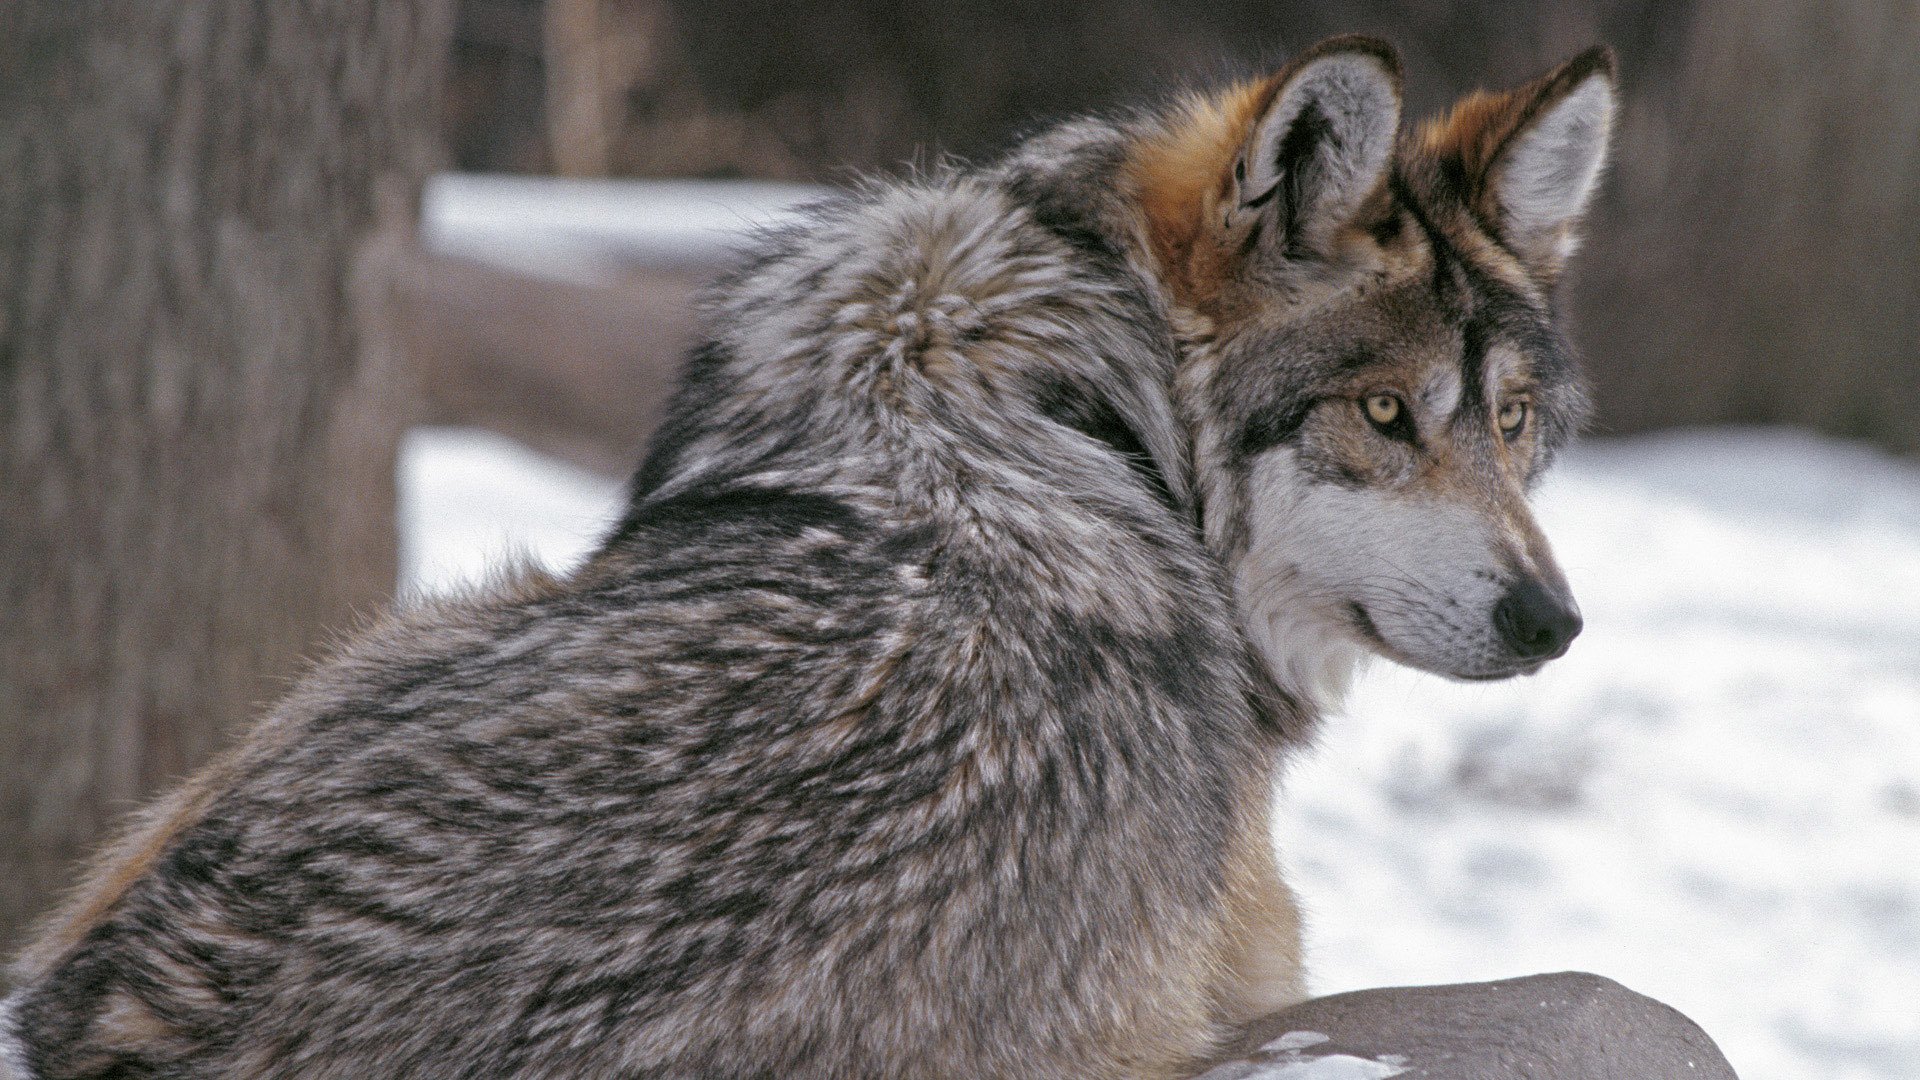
pixel 1535 622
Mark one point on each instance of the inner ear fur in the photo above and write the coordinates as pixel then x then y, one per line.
pixel 1318 146
pixel 1533 156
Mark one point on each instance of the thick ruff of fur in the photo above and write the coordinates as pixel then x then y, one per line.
pixel 920 718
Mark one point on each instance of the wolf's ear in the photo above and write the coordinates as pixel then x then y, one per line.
pixel 1320 146
pixel 1542 170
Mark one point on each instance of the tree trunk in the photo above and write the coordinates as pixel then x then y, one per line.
pixel 199 413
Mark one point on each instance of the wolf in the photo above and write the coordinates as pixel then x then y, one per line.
pixel 921 716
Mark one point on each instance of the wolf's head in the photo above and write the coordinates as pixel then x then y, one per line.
pixel 1372 373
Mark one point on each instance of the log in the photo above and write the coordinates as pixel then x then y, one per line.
pixel 580 370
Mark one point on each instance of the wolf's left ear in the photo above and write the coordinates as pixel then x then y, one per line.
pixel 1321 145
pixel 1543 171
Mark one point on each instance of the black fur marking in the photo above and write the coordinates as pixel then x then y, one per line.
pixel 1278 711
pixel 1263 198
pixel 760 511
pixel 1452 183
pixel 1445 258
pixel 1053 211
pixel 1269 427
pixel 1363 622
pixel 1386 230
pixel 1499 314
pixel 1097 419
pixel 1487 310
pixel 1355 359
pixel 1473 365
pixel 1252 239
pixel 1309 132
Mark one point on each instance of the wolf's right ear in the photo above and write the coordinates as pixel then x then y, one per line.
pixel 1532 157
pixel 1320 147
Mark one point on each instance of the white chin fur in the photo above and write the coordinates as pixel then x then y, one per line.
pixel 1310 657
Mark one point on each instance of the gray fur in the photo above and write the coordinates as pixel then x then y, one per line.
pixel 906 726
pixel 1550 171
pixel 12 1067
pixel 1357 96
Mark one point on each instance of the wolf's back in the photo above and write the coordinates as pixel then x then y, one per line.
pixel 837 759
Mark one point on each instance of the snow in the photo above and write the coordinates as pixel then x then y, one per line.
pixel 1329 1067
pixel 472 501
pixel 587 231
pixel 1282 1059
pixel 1714 798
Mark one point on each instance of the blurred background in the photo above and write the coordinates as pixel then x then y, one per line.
pixel 304 306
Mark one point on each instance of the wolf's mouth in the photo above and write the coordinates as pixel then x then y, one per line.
pixel 1363 627
pixel 1499 676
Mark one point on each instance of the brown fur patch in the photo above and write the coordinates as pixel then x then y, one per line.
pixel 1261 953
pixel 126 1023
pixel 1182 174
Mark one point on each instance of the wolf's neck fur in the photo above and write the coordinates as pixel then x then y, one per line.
pixel 908 324
pixel 1311 658
pixel 976 349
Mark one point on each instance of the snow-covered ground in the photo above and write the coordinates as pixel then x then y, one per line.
pixel 1715 798
pixel 590 230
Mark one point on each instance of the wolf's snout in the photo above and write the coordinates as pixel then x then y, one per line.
pixel 1536 622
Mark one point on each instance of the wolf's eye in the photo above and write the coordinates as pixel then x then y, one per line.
pixel 1513 417
pixel 1384 410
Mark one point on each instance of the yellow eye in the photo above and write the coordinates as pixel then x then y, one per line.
pixel 1513 417
pixel 1382 409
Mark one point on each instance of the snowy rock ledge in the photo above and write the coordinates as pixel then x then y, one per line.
pixel 1567 1026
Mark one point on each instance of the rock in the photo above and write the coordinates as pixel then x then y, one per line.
pixel 1566 1026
